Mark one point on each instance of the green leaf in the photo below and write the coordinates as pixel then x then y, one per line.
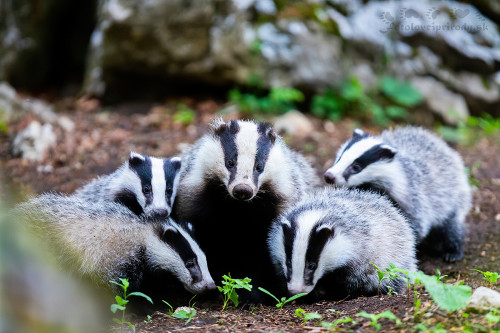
pixel 115 307
pixel 449 297
pixel 234 297
pixel 136 293
pixel 114 282
pixel 294 297
pixel 352 90
pixel 118 321
pixel 400 92
pixel 120 301
pixel 132 326
pixel 267 292
pixel 300 313
pixel 125 283
pixel 312 315
pixel 389 315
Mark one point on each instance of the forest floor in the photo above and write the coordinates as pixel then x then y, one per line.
pixel 102 140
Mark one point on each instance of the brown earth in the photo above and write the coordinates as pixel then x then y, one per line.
pixel 103 138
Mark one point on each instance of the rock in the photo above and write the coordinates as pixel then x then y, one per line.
pixel 450 106
pixel 33 142
pixel 186 309
pixel 294 123
pixel 484 299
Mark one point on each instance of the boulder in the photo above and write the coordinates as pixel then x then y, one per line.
pixel 33 142
pixel 484 299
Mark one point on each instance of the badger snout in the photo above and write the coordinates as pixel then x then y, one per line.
pixel 242 192
pixel 159 214
pixel 202 287
pixel 329 177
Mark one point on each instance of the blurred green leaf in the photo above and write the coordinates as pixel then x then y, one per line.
pixel 400 92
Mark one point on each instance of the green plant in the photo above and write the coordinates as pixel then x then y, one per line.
pixel 148 319
pixel 184 115
pixel 390 274
pixel 400 92
pixel 306 316
pixel 121 302
pixel 471 130
pixel 278 100
pixel 333 326
pixel 449 297
pixel 229 286
pixel 493 317
pixel 422 327
pixel 283 300
pixel 471 171
pixel 490 277
pixel 375 318
pixel 4 127
pixel 182 313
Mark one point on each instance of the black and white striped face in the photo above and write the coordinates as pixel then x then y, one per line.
pixel 179 254
pixel 148 185
pixel 238 153
pixel 362 159
pixel 305 245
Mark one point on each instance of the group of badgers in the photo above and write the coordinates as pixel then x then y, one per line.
pixel 248 205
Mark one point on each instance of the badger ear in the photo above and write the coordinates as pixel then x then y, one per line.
pixel 271 135
pixel 387 152
pixel 136 159
pixel 217 126
pixel 358 133
pixel 266 130
pixel 176 162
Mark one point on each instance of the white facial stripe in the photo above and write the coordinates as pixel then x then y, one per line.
pixel 246 141
pixel 305 223
pixel 158 185
pixel 278 172
pixel 129 180
pixel 348 156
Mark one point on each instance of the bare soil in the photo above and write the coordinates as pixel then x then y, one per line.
pixel 102 139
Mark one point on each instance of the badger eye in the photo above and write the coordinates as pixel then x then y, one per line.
pixel 191 263
pixel 259 167
pixel 355 168
pixel 311 266
pixel 169 191
pixel 146 189
pixel 230 163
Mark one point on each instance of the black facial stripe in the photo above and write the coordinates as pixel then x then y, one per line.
pixel 317 241
pixel 183 248
pixel 227 136
pixel 171 169
pixel 145 174
pixel 129 200
pixel 351 142
pixel 288 239
pixel 372 155
pixel 264 145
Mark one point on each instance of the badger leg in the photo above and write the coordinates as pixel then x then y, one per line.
pixel 452 234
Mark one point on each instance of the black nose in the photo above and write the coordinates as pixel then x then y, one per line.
pixel 329 178
pixel 210 286
pixel 242 192
pixel 159 214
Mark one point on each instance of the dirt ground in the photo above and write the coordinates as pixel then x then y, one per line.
pixel 102 139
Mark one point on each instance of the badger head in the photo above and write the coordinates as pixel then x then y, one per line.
pixel 362 159
pixel 148 185
pixel 237 154
pixel 304 246
pixel 176 251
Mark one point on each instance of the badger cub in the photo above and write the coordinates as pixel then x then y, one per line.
pixel 234 181
pixel 326 243
pixel 419 172
pixel 106 241
pixel 144 184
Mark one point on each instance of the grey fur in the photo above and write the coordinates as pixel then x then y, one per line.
pixel 426 179
pixel 367 228
pixel 104 242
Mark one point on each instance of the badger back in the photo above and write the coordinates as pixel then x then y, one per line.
pixel 108 242
pixel 144 184
pixel 335 234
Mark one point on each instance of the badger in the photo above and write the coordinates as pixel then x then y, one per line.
pixel 234 181
pixel 325 244
pixel 106 241
pixel 419 172
pixel 146 185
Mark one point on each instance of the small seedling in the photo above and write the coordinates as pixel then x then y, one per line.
pixel 375 317
pixel 229 286
pixel 148 319
pixel 332 326
pixel 490 277
pixel 390 274
pixel 422 327
pixel 493 317
pixel 283 300
pixel 182 313
pixel 121 303
pixel 306 316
